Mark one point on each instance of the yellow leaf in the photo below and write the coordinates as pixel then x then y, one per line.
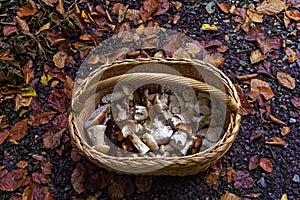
pixel 45 79
pixel 60 58
pixel 284 197
pixel 229 196
pixel 256 57
pixel 28 92
pixel 44 27
pixel 207 27
pixel 270 7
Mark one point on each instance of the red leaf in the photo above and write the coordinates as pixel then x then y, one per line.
pixel 34 191
pixel 10 181
pixel 7 30
pixel 38 118
pixel 253 162
pixel 266 165
pixel 149 6
pixel 22 164
pixel 19 130
pixel 46 168
pixel 296 102
pixel 243 180
pixel 3 136
pixel 57 99
pixel 78 178
pixel 163 7
pixel 39 177
pixel 52 140
pixel 116 8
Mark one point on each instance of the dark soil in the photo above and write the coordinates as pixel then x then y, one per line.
pixel 286 160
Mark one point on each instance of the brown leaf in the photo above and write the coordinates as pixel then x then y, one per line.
pixel 285 130
pixel 286 80
pixel 44 27
pixel 261 90
pixel 213 44
pixel 26 11
pixel 7 30
pixel 255 17
pixel 224 7
pixel 256 135
pixel 181 53
pixel 60 58
pixel 293 14
pixel 243 180
pixel 23 26
pixel 255 83
pixel 270 7
pixel 52 140
pixel 121 186
pixel 253 195
pixel 292 55
pixel 57 100
pixel 149 6
pixel 231 175
pixel 211 178
pixel 19 130
pixel 296 102
pixel 75 155
pixel 39 177
pixel 143 183
pixel 229 196
pixel 22 164
pixel 222 49
pixel 39 117
pixel 265 68
pixel 253 162
pixel 28 72
pixel 287 21
pixel 10 181
pixel 116 8
pixel 34 191
pixel 276 141
pixel 215 60
pixel 254 33
pixel 275 42
pixel 3 136
pixel 60 7
pixel 46 168
pixel 264 45
pixel 173 43
pixel 256 57
pixel 247 109
pixel 163 7
pixel 50 2
pixel 77 178
pixel 266 165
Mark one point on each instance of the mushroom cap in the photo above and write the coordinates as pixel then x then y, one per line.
pixel 184 127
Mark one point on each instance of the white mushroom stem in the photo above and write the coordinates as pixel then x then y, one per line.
pixel 96 135
pixel 139 145
pixel 97 116
pixel 179 139
pixel 187 146
pixel 150 141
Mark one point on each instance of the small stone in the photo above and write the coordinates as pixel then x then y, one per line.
pixel 296 178
pixel 292 120
pixel 262 182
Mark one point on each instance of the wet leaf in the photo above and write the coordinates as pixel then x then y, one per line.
pixel 46 168
pixel 39 178
pixel 211 179
pixel 3 136
pixel 19 130
pixel 292 56
pixel 52 140
pixel 224 7
pixel 210 7
pixel 296 102
pixel 163 7
pixel 77 178
pixel 243 180
pixel 293 14
pixel 247 109
pixel 149 6
pixel 60 58
pixel 28 92
pixel 286 80
pixel 26 11
pixel 44 27
pixel 143 183
pixel 229 196
pixel 270 7
pixel 208 27
pixel 253 162
pixel 57 99
pixel 256 135
pixel 22 164
pixel 231 175
pixel 39 117
pixel 256 57
pixel 266 165
pixel 254 33
pixel 23 26
pixel 10 181
pixel 8 30
pixel 276 141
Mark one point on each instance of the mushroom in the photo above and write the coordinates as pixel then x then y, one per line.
pixel 97 116
pixel 122 113
pixel 187 146
pixel 197 143
pixel 126 89
pixel 112 97
pixel 141 113
pixel 129 127
pixel 179 139
pixel 150 141
pixel 145 97
pixel 184 127
pixel 96 134
pixel 139 145
pixel 163 134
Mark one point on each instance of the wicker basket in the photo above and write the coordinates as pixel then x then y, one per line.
pixel 102 81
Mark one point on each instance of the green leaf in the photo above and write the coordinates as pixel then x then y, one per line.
pixel 45 79
pixel 28 92
pixel 209 7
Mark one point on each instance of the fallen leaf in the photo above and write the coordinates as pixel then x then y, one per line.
pixel 276 120
pixel 256 57
pixel 276 141
pixel 192 48
pixel 286 80
pixel 284 197
pixel 266 165
pixel 270 7
pixel 121 186
pixel 143 183
pixel 181 53
pixel 60 7
pixel 28 92
pixel 10 181
pixel 254 162
pixel 34 191
pixel 285 130
pixel 258 83
pixel 50 2
pixel 213 44
pixel 247 109
pixel 44 27
pixel 243 180
pixel 229 196
pixel 8 30
pixel 57 99
pixel 224 7
pixel 211 178
pixel 173 43
pixel 23 26
pixel 52 140
pixel 116 8
pixel 231 175
pixel 39 178
pixel 255 17
pixel 292 55
pixel 222 49
pixel 45 79
pixel 215 60
pixel 46 168
pixel 208 27
pixel 3 136
pixel 253 195
pixel 275 42
pixel 39 117
pixel 296 102
pixel 75 155
pixel 264 45
pixel 149 6
pixel 261 90
pixel 293 14
pixel 210 7
pixel 60 58
pixel 19 130
pixel 77 178
pixel 163 7
pixel 22 164
pixel 256 135
pixel 26 11
pixel 28 72
pixel 254 33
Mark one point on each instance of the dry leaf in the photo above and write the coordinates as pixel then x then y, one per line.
pixel 211 178
pixel 28 72
pixel 285 130
pixel 254 33
pixel 116 8
pixel 163 7
pixel 50 2
pixel 284 197
pixel 7 30
pixel 256 57
pixel 256 135
pixel 296 102
pixel 286 80
pixel 122 186
pixel 77 178
pixel 44 27
pixel 60 7
pixel 264 45
pixel 253 162
pixel 181 53
pixel 270 7
pixel 243 180
pixel 287 21
pixel 173 43
pixel 39 117
pixel 22 164
pixel 215 60
pixel 231 174
pixel 60 58
pixel 26 11
pixel 293 14
pixel 39 178
pixel 266 165
pixel 46 168
pixel 10 181
pixel 247 109
pixel 292 55
pixel 23 26
pixel 52 140
pixel 3 136
pixel 229 196
pixel 57 99
pixel 224 7
pixel 149 6
pixel 143 183
pixel 276 141
pixel 19 130
pixel 255 17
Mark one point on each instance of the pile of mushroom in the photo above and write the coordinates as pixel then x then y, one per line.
pixel 147 124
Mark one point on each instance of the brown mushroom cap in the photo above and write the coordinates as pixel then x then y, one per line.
pixel 184 127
